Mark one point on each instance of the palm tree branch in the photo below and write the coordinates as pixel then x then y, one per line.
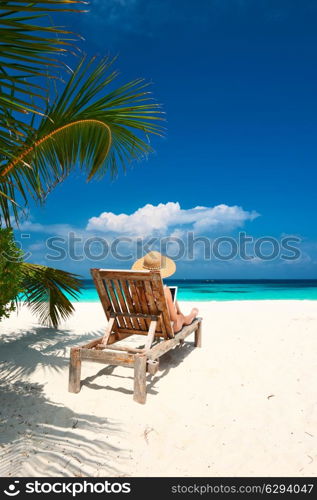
pixel 48 292
pixel 100 134
pixel 49 136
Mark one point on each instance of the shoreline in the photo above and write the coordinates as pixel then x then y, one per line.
pixel 242 405
pixel 215 300
pixel 206 301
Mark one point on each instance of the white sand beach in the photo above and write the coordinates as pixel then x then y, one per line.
pixel 245 404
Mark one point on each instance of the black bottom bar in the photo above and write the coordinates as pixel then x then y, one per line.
pixel 171 487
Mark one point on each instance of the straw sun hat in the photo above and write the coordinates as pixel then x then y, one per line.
pixel 155 261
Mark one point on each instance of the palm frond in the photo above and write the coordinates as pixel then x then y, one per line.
pixel 29 46
pixel 45 292
pixel 87 124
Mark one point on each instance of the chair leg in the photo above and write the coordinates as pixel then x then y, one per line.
pixel 139 393
pixel 198 335
pixel 152 366
pixel 74 370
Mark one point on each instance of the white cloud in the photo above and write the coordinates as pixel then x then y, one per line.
pixel 170 217
pixel 35 227
pixel 39 246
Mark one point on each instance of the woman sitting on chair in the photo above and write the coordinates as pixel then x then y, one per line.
pixel 154 261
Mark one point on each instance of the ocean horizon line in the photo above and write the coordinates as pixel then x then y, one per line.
pixel 227 290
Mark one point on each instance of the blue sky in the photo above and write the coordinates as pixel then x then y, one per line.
pixel 237 80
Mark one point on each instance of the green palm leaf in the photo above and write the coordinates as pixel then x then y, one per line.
pixel 87 124
pixel 45 292
pixel 29 45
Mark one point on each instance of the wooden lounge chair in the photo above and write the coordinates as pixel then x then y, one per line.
pixel 134 303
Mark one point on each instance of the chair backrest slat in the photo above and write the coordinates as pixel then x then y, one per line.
pixel 143 301
pixel 131 308
pixel 114 302
pixel 137 306
pixel 158 292
pixel 122 302
pixel 152 304
pixel 127 275
pixel 123 293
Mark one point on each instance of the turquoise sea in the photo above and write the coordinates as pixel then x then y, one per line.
pixel 223 290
